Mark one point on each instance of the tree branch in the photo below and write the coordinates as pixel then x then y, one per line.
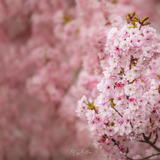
pixel 117 112
pixel 155 139
pixel 150 135
pixel 66 91
pixel 145 157
pixel 150 143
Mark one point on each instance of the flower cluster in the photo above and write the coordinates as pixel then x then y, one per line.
pixel 127 108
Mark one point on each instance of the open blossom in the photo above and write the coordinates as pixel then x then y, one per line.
pixel 126 129
pixel 129 89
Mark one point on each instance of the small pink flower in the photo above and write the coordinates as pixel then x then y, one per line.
pixel 131 99
pixel 154 110
pixel 122 149
pixel 119 84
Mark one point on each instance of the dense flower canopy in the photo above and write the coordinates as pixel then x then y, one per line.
pixel 52 53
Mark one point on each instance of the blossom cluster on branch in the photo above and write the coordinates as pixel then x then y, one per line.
pixel 127 107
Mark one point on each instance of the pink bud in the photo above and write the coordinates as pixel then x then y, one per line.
pixel 119 84
pixel 154 110
pixel 122 149
pixel 131 99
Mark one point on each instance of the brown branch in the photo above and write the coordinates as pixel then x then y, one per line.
pixel 150 143
pixel 145 157
pixel 155 139
pixel 66 91
pixel 150 135
pixel 117 112
pixel 147 140
pixel 130 65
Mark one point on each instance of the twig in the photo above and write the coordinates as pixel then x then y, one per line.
pixel 130 65
pixel 117 112
pixel 66 92
pixel 145 157
pixel 155 138
pixel 150 135
pixel 150 143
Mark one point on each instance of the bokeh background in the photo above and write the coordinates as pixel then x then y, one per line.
pixel 48 60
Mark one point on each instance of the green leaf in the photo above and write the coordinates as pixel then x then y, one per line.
pixel 67 19
pixel 132 27
pixel 133 14
pixel 112 124
pixel 129 15
pixel 112 105
pixel 147 23
pixel 111 99
pixel 137 19
pixel 145 19
pixel 158 76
